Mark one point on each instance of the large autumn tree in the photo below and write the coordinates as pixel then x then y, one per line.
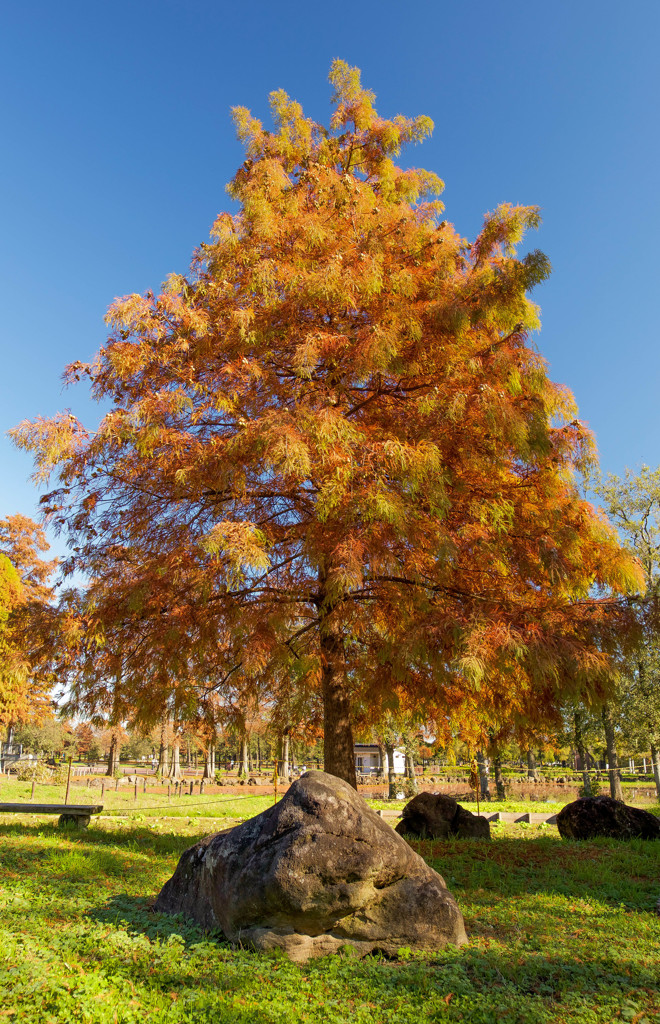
pixel 333 455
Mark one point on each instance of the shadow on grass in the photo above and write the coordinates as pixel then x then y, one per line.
pixel 534 970
pixel 609 870
pixel 136 915
pixel 130 837
pixel 509 982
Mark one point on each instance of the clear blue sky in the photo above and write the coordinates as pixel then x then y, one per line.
pixel 117 144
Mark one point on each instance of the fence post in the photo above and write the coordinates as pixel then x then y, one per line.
pixel 68 781
pixel 135 793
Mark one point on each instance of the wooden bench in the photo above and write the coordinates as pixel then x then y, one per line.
pixel 70 814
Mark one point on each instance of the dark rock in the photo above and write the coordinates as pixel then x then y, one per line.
pixel 467 825
pixel 315 872
pixel 593 816
pixel 437 816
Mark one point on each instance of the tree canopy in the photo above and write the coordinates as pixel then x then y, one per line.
pixel 334 461
pixel 24 594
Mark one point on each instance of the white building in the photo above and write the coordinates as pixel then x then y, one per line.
pixel 368 762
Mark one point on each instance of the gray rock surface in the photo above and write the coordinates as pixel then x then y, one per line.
pixel 593 816
pixel 317 871
pixel 437 816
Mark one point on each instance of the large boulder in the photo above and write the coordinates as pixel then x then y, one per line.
pixel 315 872
pixel 594 816
pixel 436 816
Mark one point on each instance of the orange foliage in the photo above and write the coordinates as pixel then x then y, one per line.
pixel 334 464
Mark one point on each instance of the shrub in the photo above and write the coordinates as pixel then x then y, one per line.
pixel 34 771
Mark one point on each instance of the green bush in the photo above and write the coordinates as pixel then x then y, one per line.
pixel 61 773
pixel 34 771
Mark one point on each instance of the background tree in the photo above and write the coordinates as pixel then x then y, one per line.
pixel 25 593
pixel 332 451
pixel 633 504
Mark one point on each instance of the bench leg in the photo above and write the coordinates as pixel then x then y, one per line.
pixel 79 820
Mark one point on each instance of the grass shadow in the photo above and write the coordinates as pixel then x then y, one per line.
pixel 135 914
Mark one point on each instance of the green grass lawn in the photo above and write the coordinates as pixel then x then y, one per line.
pixel 560 932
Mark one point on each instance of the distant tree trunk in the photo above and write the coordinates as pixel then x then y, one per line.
pixel 284 763
pixel 213 759
pixel 532 770
pixel 175 767
pixel 113 754
pixel 338 747
pixel 582 753
pixel 482 762
pixel 613 773
pixel 499 778
pixel 208 763
pixel 384 760
pixel 243 767
pixel 655 762
pixel 258 753
pixel 391 777
pixel 163 767
pixel 410 771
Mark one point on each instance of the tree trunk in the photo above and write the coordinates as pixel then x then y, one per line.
pixel 382 752
pixel 208 766
pixel 338 748
pixel 383 770
pixel 613 773
pixel 582 753
pixel 532 770
pixel 175 767
pixel 285 773
pixel 410 772
pixel 499 778
pixel 391 777
pixel 482 762
pixel 163 766
pixel 655 765
pixel 258 753
pixel 243 767
pixel 113 755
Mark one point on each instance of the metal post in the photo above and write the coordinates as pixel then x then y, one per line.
pixel 135 793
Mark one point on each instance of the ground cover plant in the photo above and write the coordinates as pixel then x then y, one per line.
pixel 559 932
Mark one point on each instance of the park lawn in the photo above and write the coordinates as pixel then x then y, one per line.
pixel 152 804
pixel 559 932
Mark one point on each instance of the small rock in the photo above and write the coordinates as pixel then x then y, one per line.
pixel 438 816
pixel 593 816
